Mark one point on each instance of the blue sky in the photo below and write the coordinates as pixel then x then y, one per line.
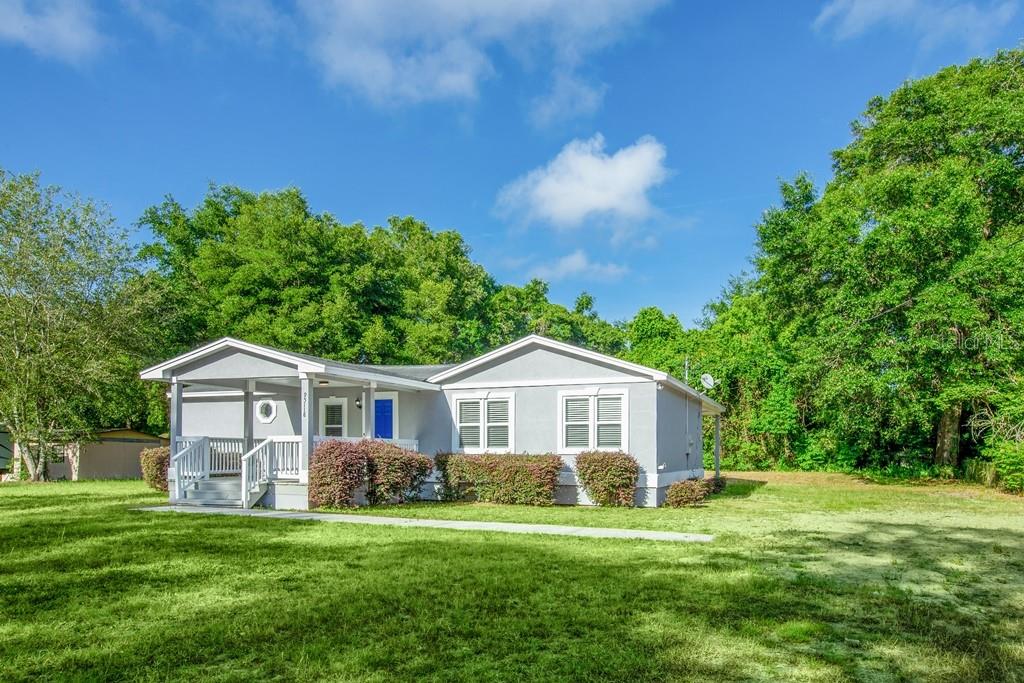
pixel 626 149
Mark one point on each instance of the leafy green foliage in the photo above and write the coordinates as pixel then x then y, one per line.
pixel 1008 459
pixel 265 268
pixel 882 327
pixel 75 320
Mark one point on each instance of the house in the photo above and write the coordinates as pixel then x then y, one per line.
pixel 245 418
pixel 112 454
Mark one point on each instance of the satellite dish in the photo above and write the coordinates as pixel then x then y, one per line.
pixel 707 380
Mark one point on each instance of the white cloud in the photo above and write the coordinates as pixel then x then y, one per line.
pixel 933 21
pixel 395 52
pixel 578 265
pixel 584 182
pixel 58 29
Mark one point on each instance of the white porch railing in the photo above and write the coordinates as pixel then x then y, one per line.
pixel 408 444
pixel 275 458
pixel 191 464
pixel 225 452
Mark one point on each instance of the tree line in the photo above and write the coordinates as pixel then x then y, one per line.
pixel 880 326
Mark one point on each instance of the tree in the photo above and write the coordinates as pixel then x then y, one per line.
pixel 74 313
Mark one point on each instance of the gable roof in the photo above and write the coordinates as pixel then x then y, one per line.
pixel 535 340
pixel 412 376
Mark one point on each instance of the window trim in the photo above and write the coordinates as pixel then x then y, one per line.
pixel 483 397
pixel 592 393
pixel 273 411
pixel 333 400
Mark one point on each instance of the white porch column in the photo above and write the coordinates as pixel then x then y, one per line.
pixel 370 410
pixel 174 433
pixel 247 415
pixel 174 428
pixel 718 446
pixel 308 423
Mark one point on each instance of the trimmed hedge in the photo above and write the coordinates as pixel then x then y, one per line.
pixel 686 493
pixel 154 462
pixel 394 474
pixel 508 479
pixel 609 478
pixel 389 473
pixel 336 470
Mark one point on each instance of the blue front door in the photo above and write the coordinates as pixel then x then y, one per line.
pixel 384 418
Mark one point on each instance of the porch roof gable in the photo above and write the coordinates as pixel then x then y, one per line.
pixel 303 363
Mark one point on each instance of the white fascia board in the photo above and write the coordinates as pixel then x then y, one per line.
pixel 156 372
pixel 551 344
pixel 513 384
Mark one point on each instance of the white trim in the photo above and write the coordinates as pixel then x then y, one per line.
pixel 592 393
pixel 511 384
pixel 228 393
pixel 393 395
pixel 273 411
pixel 483 396
pixel 301 364
pixel 333 400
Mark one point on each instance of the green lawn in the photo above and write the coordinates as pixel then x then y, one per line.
pixel 811 577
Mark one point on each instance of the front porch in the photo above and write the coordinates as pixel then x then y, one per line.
pixel 244 419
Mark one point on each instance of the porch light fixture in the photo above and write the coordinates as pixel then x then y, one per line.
pixel 359 403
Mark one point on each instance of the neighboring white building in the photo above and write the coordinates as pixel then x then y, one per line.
pixel 257 412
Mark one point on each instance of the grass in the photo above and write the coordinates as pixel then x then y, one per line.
pixel 811 578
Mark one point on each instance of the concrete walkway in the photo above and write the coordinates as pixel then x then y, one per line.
pixel 460 525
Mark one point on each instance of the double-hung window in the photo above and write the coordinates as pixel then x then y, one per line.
pixel 592 421
pixel 485 423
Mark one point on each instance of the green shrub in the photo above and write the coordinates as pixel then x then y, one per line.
pixel 979 471
pixel 394 474
pixel 336 470
pixel 1008 458
pixel 609 478
pixel 686 493
pixel 154 462
pixel 715 484
pixel 509 479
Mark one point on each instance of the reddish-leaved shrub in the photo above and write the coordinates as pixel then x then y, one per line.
pixel 510 479
pixel 609 478
pixel 154 462
pixel 686 493
pixel 395 474
pixel 336 470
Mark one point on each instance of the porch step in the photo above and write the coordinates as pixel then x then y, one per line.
pixel 229 485
pixel 220 491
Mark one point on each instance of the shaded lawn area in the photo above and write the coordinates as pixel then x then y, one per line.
pixel 811 577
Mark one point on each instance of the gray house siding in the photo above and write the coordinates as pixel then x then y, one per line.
pixel 539 365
